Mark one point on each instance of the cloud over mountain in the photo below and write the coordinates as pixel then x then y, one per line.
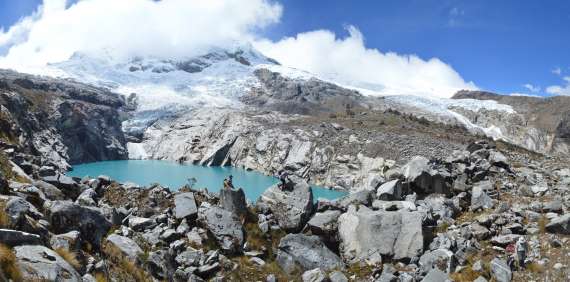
pixel 132 27
pixel 348 58
pixel 184 28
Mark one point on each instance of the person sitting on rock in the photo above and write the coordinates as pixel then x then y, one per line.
pixel 228 183
pixel 283 177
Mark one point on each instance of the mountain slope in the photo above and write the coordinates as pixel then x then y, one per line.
pixel 547 118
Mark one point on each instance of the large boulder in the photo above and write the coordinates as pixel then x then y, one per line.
pixel 441 259
pixel 362 197
pixel 366 235
pixel 66 216
pixel 17 210
pixel 325 224
pixel 300 251
pixel 233 200
pixel 500 270
pixel 50 191
pixel 185 205
pixel 560 225
pixel 292 206
pixel 68 241
pixel 17 238
pixel 479 197
pixel 424 179
pixel 38 263
pixel 116 245
pixel 390 191
pixel 224 225
pixel 87 198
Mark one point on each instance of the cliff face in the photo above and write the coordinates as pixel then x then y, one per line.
pixel 60 121
pixel 543 123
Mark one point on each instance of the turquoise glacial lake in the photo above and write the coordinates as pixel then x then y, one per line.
pixel 174 175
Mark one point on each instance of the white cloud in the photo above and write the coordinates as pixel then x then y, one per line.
pixel 557 71
pixel 532 88
pixel 173 28
pixel 132 27
pixel 560 89
pixel 321 52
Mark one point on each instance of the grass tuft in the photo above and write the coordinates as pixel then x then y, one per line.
pixel 70 257
pixel 4 218
pixel 8 264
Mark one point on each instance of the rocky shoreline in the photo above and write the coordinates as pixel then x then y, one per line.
pixel 425 220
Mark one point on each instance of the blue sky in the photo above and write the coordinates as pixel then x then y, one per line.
pixel 499 45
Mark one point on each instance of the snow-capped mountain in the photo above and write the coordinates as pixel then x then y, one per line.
pixel 220 78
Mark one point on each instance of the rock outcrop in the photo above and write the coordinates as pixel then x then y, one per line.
pixel 401 234
pixel 292 205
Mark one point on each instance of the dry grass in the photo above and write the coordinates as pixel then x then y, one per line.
pixel 247 271
pixel 360 270
pixel 70 257
pixel 124 269
pixel 100 277
pixel 542 222
pixel 4 218
pixel 535 268
pixel 8 264
pixel 465 275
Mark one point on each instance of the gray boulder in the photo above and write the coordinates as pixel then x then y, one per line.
pixel 126 247
pixel 18 208
pixel 40 263
pixel 68 241
pixel 305 252
pixel 159 264
pixel 50 191
pixel 360 229
pixel 141 223
pixel 441 259
pixel 185 205
pixel 65 216
pixel 17 238
pixel 315 275
pixel 362 197
pixel 292 206
pixel 559 225
pixel 233 200
pixel 390 191
pixel 436 275
pixel 479 197
pixel 87 198
pixel 224 225
pixel 325 224
pixel 424 179
pixel 500 271
pixel 337 276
